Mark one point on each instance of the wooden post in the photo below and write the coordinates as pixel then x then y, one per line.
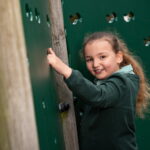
pixel 59 45
pixel 17 121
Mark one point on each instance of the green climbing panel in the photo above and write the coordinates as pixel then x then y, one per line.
pixel 36 22
pixel 130 18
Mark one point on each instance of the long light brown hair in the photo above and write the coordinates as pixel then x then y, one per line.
pixel 128 58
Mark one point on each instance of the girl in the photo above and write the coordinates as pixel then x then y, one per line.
pixel 118 93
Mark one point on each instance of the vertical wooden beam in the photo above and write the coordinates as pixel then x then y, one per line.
pixel 17 121
pixel 59 45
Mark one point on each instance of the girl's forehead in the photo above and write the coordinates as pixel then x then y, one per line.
pixel 98 42
pixel 98 45
pixel 93 53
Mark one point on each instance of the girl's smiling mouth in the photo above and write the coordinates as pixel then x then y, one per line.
pixel 98 71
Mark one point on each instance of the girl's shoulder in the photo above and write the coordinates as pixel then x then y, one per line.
pixel 124 78
pixel 120 78
pixel 123 75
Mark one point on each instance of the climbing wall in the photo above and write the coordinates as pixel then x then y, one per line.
pixel 130 18
pixel 36 22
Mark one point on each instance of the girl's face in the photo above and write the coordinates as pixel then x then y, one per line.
pixel 101 60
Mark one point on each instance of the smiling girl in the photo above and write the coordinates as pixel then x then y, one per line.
pixel 119 92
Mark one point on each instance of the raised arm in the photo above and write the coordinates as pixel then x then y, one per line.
pixel 58 64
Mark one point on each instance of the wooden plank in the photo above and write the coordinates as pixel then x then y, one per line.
pixel 59 45
pixel 17 120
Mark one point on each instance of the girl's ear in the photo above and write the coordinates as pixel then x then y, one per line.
pixel 119 57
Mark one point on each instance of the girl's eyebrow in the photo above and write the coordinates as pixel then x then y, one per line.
pixel 88 56
pixel 101 53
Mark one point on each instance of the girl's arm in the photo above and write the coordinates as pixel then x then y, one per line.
pixel 103 95
pixel 106 94
pixel 58 64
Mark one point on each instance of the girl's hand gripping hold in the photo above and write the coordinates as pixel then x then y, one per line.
pixel 58 64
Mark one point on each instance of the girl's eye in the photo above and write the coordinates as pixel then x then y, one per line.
pixel 88 60
pixel 102 57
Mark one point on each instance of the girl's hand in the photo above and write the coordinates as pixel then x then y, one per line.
pixel 57 64
pixel 51 57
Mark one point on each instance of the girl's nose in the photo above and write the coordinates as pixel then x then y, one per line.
pixel 96 63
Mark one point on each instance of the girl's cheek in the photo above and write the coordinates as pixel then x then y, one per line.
pixel 89 67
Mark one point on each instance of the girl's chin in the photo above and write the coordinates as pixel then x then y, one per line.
pixel 101 76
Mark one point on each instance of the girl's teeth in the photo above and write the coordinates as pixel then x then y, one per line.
pixel 97 71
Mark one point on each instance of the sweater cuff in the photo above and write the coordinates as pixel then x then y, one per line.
pixel 72 78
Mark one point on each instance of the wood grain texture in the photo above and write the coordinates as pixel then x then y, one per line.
pixel 59 45
pixel 17 120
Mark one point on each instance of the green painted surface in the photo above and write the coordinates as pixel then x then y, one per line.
pixel 37 36
pixel 93 14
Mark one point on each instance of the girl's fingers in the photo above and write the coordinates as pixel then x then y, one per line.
pixel 50 51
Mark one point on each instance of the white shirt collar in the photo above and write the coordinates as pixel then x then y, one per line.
pixel 126 69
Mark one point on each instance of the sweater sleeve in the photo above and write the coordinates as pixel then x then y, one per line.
pixel 103 95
